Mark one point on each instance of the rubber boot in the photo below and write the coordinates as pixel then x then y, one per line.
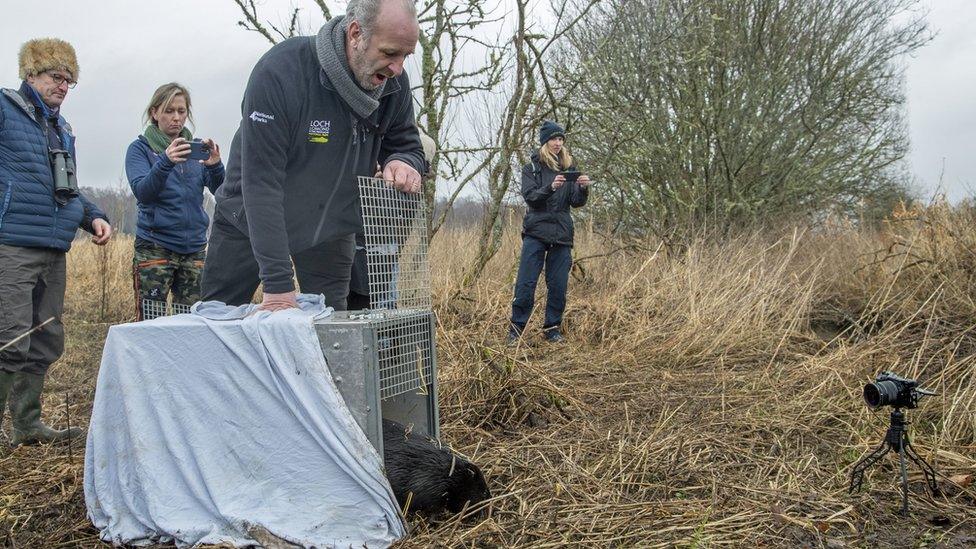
pixel 25 412
pixel 6 381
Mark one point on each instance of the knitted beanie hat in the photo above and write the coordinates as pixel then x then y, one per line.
pixel 45 54
pixel 549 130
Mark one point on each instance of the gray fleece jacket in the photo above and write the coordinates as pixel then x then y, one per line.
pixel 292 172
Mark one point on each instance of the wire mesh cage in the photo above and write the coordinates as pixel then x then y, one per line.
pixel 404 353
pixel 384 365
pixel 383 358
pixel 154 309
pixel 395 237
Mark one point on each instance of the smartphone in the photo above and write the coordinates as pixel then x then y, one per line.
pixel 571 177
pixel 198 150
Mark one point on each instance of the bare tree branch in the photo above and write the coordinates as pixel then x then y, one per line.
pixel 251 21
pixel 326 14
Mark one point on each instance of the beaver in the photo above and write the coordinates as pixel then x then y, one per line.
pixel 428 478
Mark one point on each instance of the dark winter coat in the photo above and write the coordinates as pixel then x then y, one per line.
pixel 29 215
pixel 548 216
pixel 291 175
pixel 170 197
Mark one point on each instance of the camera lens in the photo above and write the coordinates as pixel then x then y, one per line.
pixel 881 393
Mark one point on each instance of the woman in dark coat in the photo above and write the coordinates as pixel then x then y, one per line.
pixel 551 185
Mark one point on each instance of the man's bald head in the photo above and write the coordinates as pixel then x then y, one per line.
pixel 367 12
pixel 380 34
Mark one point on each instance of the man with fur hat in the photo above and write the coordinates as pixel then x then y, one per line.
pixel 40 212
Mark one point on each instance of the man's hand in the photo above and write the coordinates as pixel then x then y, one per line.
pixel 102 231
pixel 402 176
pixel 278 302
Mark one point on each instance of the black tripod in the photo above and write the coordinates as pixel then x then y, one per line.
pixel 895 439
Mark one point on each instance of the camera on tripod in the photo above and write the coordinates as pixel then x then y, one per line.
pixel 898 392
pixel 889 389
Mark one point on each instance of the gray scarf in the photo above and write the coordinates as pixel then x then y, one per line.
pixel 330 44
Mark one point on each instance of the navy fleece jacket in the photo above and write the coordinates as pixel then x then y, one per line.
pixel 293 164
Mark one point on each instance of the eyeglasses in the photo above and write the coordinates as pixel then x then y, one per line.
pixel 60 79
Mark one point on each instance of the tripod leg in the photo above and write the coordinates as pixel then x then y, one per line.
pixel 857 474
pixel 927 469
pixel 904 482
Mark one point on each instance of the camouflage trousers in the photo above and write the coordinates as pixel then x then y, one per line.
pixel 157 271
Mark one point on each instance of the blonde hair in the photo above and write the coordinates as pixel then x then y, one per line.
pixel 563 162
pixel 162 98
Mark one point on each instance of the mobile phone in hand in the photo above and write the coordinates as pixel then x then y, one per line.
pixel 198 150
pixel 571 177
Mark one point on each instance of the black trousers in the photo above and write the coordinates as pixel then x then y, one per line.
pixel 557 260
pixel 231 272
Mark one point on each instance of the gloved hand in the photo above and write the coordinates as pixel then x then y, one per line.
pixel 278 302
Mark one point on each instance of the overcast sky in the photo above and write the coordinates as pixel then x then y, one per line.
pixel 126 48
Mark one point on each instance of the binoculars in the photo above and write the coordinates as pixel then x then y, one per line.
pixel 65 182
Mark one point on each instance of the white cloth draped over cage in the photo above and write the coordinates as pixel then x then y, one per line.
pixel 217 427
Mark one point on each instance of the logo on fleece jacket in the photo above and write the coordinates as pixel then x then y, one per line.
pixel 318 131
pixel 258 116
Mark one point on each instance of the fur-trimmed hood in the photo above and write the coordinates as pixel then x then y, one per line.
pixel 45 54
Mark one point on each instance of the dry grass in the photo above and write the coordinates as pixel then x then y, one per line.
pixel 705 400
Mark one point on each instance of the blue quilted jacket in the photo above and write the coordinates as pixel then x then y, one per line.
pixel 170 197
pixel 29 216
